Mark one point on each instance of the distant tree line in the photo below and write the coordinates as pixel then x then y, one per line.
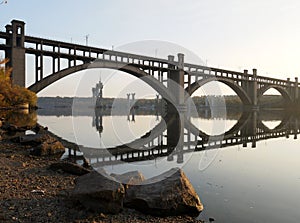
pixel 199 101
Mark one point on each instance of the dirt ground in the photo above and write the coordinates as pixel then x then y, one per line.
pixel 31 192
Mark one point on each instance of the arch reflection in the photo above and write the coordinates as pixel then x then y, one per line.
pixel 175 136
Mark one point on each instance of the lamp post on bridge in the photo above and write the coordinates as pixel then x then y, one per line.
pixel 86 39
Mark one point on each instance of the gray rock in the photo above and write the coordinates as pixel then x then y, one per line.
pixel 129 178
pixel 48 148
pixel 170 193
pixel 99 192
pixel 35 139
pixel 43 144
pixel 71 168
pixel 9 127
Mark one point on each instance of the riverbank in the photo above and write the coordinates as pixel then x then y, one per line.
pixel 31 192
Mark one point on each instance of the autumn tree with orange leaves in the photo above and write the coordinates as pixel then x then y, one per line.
pixel 13 95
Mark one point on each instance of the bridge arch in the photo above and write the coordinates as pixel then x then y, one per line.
pixel 284 124
pixel 230 83
pixel 127 68
pixel 284 93
pixel 240 124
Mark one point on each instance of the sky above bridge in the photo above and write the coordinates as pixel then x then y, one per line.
pixel 232 34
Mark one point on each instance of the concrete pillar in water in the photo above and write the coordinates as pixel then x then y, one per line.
pixel 254 128
pixel 132 110
pixel 128 101
pixel 133 99
pixel 296 128
pixel 245 133
pixel 176 90
pixel 133 114
pixel 175 130
pixel 157 107
pixel 176 83
pixel 252 89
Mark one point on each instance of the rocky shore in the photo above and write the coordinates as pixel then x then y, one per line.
pixel 31 191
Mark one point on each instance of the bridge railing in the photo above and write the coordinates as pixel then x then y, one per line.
pixel 71 51
pixel 238 76
pixel 75 51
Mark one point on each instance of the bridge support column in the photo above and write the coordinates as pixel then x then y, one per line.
pixel 174 108
pixel 174 127
pixel 176 84
pixel 253 129
pixel 250 129
pixel 296 90
pixel 245 82
pixel 252 90
pixel 289 88
pixel 16 53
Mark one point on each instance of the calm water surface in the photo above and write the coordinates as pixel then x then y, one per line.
pixel 235 183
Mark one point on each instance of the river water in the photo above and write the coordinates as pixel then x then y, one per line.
pixel 244 167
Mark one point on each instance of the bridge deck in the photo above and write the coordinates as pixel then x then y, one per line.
pixel 73 52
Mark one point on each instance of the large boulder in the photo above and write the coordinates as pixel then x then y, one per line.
pixel 170 193
pixel 99 192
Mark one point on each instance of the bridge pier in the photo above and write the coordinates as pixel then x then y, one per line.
pixel 250 86
pixel 296 90
pixel 176 84
pixel 174 117
pixel 250 130
pixel 253 89
pixel 245 84
pixel 293 91
pixel 16 51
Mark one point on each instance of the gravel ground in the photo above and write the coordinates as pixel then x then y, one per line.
pixel 31 192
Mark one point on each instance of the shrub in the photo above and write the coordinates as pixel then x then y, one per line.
pixel 13 95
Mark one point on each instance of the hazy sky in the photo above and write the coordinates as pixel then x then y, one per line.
pixel 231 34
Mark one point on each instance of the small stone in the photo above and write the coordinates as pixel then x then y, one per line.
pixel 211 219
pixel 102 215
pixel 38 192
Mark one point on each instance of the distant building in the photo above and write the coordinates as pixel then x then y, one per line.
pixel 98 94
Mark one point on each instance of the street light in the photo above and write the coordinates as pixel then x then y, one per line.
pixel 87 39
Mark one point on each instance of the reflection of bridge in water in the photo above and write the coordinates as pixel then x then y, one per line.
pixel 176 136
